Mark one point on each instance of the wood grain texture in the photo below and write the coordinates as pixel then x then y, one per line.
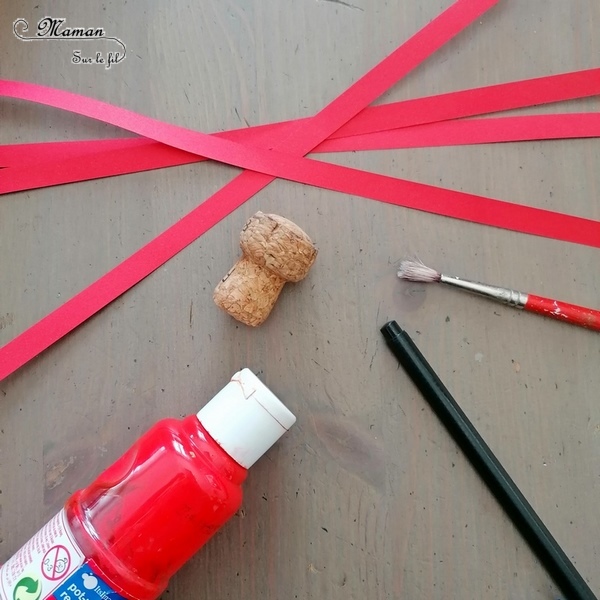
pixel 367 497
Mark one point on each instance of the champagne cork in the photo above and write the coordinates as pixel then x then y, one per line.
pixel 274 251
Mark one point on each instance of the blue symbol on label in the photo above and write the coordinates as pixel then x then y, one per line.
pixel 89 581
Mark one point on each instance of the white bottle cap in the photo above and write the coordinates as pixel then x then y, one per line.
pixel 245 418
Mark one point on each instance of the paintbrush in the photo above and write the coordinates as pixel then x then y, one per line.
pixel 413 270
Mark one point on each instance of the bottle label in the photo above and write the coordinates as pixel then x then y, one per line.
pixel 85 583
pixel 51 566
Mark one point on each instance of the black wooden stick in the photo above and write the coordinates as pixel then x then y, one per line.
pixel 505 490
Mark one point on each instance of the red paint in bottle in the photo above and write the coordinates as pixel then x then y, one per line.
pixel 155 507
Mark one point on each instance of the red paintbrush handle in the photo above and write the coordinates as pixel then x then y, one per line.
pixel 563 311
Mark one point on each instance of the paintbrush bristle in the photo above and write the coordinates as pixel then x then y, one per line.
pixel 414 270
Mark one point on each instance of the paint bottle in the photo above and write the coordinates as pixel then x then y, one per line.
pixel 128 532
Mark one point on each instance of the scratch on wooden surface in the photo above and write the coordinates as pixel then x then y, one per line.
pixel 374 354
pixel 319 365
pixel 346 4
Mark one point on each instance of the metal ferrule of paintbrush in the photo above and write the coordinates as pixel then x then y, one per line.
pixel 500 294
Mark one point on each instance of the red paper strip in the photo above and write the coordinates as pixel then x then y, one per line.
pixel 107 163
pixel 472 131
pixel 20 155
pixel 57 162
pixel 494 98
pixel 58 323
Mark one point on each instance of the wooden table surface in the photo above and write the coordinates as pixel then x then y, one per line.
pixel 367 496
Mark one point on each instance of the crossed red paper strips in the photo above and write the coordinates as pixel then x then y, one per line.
pixel 344 124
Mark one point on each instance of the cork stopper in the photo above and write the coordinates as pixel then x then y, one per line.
pixel 274 251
